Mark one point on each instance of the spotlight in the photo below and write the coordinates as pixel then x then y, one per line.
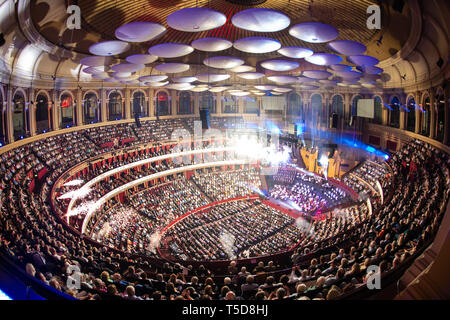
pixel 21 137
pixel 386 157
pixel 1 144
pixel 323 161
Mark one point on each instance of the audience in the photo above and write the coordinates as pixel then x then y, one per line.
pixel 415 184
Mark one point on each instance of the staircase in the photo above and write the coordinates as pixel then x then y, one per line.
pixel 201 191
pixel 135 133
pixel 90 140
pixel 428 277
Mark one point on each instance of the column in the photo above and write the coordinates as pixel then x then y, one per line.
pixel 417 114
pixel 173 94
pixel 104 101
pixel 327 110
pixel 259 102
pixel 151 102
pixel 402 119
pixel 127 103
pixel 196 103
pixel 55 110
pixel 32 113
pixel 240 105
pixel 9 113
pixel 433 114
pixel 307 109
pixel 219 98
pixel 347 110
pixel 385 114
pixel 79 108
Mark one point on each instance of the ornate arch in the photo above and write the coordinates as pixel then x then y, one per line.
pixel 316 93
pixel 23 93
pixel 37 111
pixel 108 93
pixel 68 92
pixel 425 94
pixel 162 90
pixel 91 91
pixel 139 90
pixel 44 92
pixel 337 94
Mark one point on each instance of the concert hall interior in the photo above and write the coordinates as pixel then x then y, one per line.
pixel 224 150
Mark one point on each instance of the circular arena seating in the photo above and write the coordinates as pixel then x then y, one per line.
pixel 330 262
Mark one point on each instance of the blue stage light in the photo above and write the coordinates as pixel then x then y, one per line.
pixel 4 296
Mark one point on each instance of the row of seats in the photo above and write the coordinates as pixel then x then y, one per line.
pixel 385 236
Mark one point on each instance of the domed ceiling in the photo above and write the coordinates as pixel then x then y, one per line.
pixel 310 35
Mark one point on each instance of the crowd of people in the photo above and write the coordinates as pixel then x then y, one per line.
pixel 111 136
pixel 159 130
pixel 308 192
pixel 155 208
pixel 331 261
pixel 236 229
pixel 363 179
pixel 218 185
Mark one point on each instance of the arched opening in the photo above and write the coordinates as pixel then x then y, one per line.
pixel 3 133
pixel 91 109
pixel 67 111
pixel 115 106
pixel 411 117
pixel 354 111
pixel 139 104
pixel 19 117
pixel 440 126
pixel 207 101
pixel 426 118
pixel 43 114
pixel 230 104
pixel 378 110
pixel 162 104
pixel 185 105
pixel 336 111
pixel 394 114
pixel 295 106
pixel 251 105
pixel 316 110
pixel 337 105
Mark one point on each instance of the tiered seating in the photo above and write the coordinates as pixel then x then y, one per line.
pixel 331 261
pixel 161 130
pixel 111 136
pixel 309 192
pixel 254 230
pixel 226 185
